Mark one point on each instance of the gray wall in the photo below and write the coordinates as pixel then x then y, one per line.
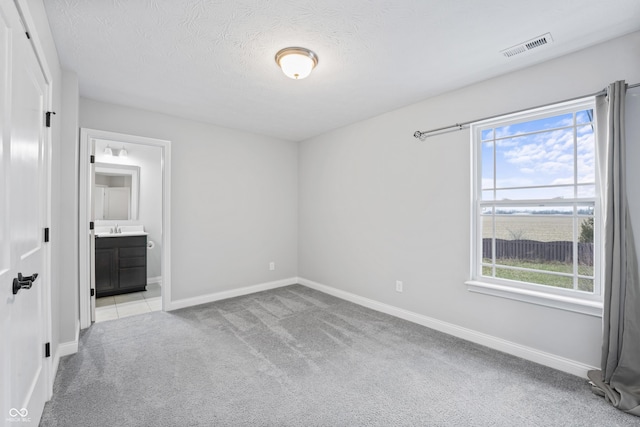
pixel 376 205
pixel 233 195
pixel 68 210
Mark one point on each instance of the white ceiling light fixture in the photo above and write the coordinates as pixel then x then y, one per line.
pixel 123 152
pixel 108 151
pixel 296 62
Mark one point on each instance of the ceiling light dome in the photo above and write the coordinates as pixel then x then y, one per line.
pixel 296 62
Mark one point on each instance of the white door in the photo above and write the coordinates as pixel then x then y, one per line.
pixel 23 210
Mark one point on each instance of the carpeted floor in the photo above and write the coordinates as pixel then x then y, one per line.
pixel 297 357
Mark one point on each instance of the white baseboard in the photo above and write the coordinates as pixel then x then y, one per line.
pixel 217 296
pixel 157 279
pixel 65 349
pixel 524 352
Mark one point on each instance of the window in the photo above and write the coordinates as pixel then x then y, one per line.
pixel 535 208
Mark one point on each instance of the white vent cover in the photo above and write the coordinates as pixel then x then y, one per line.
pixel 528 45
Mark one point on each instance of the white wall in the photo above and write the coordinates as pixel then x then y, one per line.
pixel 149 159
pixel 233 194
pixel 376 205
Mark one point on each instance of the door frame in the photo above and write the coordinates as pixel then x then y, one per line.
pixel 87 136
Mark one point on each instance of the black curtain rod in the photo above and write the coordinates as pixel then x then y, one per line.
pixel 422 135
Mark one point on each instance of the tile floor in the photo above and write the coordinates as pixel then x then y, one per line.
pixel 118 306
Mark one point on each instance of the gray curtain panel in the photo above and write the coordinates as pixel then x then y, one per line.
pixel 619 379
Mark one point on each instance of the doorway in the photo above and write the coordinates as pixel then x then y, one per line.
pixel 124 201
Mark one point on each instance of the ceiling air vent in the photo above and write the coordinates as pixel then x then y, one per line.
pixel 528 45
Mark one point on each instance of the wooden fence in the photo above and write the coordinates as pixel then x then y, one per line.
pixel 532 250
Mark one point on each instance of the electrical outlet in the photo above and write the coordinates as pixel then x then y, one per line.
pixel 272 266
pixel 398 286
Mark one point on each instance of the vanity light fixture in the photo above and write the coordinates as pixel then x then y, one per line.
pixel 108 151
pixel 296 62
pixel 123 152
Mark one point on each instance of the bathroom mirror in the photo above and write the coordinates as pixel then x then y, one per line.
pixel 116 192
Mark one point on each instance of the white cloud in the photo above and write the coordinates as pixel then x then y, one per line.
pixel 545 158
pixel 548 153
pixel 487 183
pixel 562 181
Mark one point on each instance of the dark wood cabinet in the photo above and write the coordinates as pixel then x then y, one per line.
pixel 121 265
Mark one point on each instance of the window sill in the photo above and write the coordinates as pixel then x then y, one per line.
pixel 591 308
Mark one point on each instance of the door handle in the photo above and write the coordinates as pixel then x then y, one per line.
pixel 22 282
pixel 31 278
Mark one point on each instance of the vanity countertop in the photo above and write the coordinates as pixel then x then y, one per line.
pixel 120 231
pixel 122 234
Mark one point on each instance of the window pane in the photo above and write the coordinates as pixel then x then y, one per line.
pixel 585 230
pixel 585 285
pixel 535 125
pixel 535 277
pixel 549 228
pixel 586 209
pixel 584 116
pixel 486 271
pixel 586 154
pixel 586 191
pixel 541 209
pixel 536 265
pixel 585 247
pixel 540 159
pixel 536 193
pixel 487 195
pixel 487 164
pixel 583 268
pixel 487 134
pixel 487 226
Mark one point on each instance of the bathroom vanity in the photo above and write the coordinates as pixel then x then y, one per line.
pixel 121 263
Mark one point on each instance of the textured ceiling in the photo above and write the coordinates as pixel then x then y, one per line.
pixel 213 60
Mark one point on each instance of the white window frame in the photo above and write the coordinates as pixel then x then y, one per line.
pixel 566 299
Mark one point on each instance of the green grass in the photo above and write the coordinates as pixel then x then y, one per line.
pixel 539 277
pixel 556 266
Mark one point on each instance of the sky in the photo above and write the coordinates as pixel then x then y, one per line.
pixel 525 159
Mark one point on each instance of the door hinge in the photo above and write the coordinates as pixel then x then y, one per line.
pixel 46 235
pixel 48 123
pixel 91 225
pixel 92 159
pixel 47 350
pixel 28 35
pixel 93 292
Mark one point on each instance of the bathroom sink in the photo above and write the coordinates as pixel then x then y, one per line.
pixel 120 231
pixel 122 234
